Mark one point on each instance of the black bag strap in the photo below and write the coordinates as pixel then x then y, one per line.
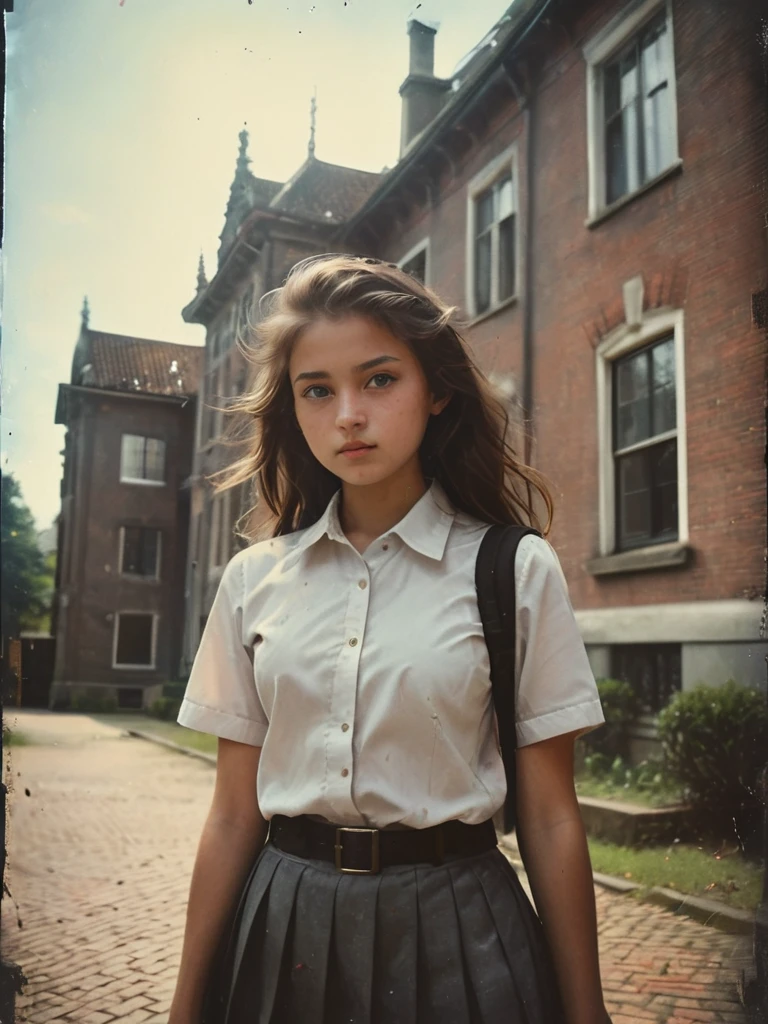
pixel 495 585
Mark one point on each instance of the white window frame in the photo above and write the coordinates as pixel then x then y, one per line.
pixel 483 180
pixel 597 52
pixel 623 340
pixel 138 576
pixel 142 481
pixel 423 246
pixel 116 632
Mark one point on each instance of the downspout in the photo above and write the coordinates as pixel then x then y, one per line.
pixel 528 303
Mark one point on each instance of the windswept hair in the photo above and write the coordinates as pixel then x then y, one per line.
pixel 465 448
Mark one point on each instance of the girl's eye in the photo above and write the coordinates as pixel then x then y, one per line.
pixel 380 380
pixel 316 391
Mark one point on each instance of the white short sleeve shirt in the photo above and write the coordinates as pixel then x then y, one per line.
pixel 365 678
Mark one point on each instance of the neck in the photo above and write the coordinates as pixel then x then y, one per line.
pixel 368 512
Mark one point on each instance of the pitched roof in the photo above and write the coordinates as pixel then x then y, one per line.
pixel 325 192
pixel 116 362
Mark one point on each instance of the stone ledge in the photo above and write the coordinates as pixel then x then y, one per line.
pixel 631 825
pixel 657 556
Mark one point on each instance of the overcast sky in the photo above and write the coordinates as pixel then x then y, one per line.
pixel 121 134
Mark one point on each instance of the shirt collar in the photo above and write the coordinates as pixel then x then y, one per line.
pixel 424 528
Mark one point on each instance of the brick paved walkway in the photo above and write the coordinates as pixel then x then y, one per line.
pixel 100 855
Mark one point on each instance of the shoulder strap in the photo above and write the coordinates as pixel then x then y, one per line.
pixel 495 584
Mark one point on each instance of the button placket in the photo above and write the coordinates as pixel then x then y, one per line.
pixel 340 734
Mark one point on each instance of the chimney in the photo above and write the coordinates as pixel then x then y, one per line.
pixel 423 95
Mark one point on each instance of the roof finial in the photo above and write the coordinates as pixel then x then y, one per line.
pixel 85 312
pixel 202 280
pixel 242 155
pixel 312 125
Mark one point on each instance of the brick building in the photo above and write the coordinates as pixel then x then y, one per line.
pixel 269 226
pixel 129 410
pixel 588 188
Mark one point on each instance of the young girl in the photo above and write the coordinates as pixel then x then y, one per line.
pixel 344 669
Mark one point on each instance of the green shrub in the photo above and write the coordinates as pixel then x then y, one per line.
pixel 165 708
pixel 715 742
pixel 620 708
pixel 616 776
pixel 92 703
pixel 175 689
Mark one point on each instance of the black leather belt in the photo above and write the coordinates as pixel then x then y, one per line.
pixel 365 851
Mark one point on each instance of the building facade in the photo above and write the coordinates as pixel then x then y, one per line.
pixel 129 410
pixel 589 189
pixel 591 194
pixel 268 227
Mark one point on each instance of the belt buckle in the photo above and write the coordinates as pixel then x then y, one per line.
pixel 339 851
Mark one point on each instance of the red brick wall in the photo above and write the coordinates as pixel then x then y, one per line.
pixel 698 239
pixel 101 505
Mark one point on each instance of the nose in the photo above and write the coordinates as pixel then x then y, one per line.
pixel 350 415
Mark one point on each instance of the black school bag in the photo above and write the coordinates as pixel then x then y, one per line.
pixel 495 585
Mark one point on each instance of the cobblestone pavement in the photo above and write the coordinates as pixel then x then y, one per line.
pixel 100 855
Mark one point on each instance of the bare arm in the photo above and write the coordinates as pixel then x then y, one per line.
pixel 554 848
pixel 233 834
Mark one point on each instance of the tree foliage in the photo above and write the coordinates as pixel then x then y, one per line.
pixel 25 585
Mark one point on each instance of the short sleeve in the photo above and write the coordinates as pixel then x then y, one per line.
pixel 221 696
pixel 555 688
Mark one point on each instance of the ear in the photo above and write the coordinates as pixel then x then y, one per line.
pixel 438 404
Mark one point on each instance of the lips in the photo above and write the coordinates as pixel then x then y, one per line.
pixel 355 446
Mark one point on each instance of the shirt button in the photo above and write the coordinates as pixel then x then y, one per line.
pixel 353 641
pixel 344 772
pixel 345 727
pixel 363 584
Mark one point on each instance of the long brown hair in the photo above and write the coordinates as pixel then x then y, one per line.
pixel 465 448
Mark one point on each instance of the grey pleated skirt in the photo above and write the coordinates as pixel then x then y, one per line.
pixel 454 944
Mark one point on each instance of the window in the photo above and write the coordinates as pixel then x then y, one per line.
pixel 142 460
pixel 653 671
pixel 643 470
pixel 492 237
pixel 645 445
pixel 415 261
pixel 140 552
pixel 632 112
pixel 135 636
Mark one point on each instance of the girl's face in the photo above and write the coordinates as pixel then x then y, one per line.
pixel 361 398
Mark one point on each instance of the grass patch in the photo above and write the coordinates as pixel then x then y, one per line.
pixel 686 868
pixel 15 739
pixel 605 789
pixel 165 730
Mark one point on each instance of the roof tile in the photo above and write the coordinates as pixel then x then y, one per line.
pixel 121 363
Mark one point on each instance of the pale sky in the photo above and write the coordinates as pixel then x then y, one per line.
pixel 122 119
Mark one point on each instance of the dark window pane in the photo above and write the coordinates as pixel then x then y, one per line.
pixel 664 475
pixel 615 161
pixel 483 273
pixel 155 459
pixel 417 267
pixel 633 499
pixel 140 550
pixel 485 216
pixel 134 639
pixel 653 671
pixel 612 90
pixel 507 258
pixel 632 407
pixel 664 399
pixel 149 552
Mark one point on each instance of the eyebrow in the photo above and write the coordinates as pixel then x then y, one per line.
pixel 324 375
